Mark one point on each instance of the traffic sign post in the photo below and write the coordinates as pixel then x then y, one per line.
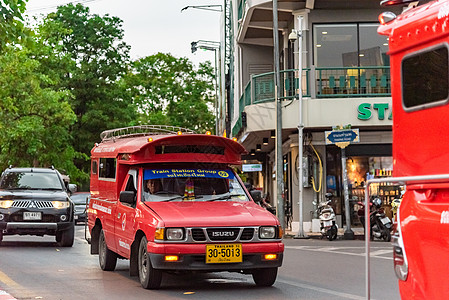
pixel 343 138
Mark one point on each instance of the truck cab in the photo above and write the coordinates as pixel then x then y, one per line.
pixel 169 200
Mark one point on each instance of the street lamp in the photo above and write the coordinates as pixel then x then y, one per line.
pixel 216 47
pixel 296 35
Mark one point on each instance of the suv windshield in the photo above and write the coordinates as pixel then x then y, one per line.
pixel 161 185
pixel 30 181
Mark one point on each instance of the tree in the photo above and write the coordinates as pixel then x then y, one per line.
pixel 169 90
pixel 11 21
pixel 99 60
pixel 34 121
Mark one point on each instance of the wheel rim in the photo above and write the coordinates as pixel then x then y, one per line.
pixel 143 261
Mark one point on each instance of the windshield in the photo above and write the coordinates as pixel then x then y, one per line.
pixel 31 181
pixel 161 185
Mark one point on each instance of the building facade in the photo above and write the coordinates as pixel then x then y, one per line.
pixel 345 80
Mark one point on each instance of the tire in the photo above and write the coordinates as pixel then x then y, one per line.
pixel 332 233
pixel 149 277
pixel 106 257
pixel 265 277
pixel 66 238
pixel 387 235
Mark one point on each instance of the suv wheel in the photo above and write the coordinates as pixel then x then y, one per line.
pixel 106 257
pixel 66 238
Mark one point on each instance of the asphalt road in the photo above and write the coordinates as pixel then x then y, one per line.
pixel 36 268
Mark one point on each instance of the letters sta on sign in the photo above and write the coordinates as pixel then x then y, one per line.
pixel 383 110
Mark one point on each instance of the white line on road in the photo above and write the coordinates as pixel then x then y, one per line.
pixel 373 254
pixel 321 290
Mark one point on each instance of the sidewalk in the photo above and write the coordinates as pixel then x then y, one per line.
pixel 359 234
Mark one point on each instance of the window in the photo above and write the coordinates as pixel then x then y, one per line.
pixel 94 167
pixel 349 45
pixel 425 79
pixel 107 168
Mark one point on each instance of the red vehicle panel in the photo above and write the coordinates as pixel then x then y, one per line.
pixel 419 57
pixel 172 202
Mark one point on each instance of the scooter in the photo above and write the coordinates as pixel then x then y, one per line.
pixel 326 214
pixel 380 224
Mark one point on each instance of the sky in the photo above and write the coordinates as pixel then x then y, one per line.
pixel 152 26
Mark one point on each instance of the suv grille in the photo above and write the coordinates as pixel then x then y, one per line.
pixel 32 204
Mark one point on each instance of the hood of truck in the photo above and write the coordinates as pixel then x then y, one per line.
pixel 212 214
pixel 33 195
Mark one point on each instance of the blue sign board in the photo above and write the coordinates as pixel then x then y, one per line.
pixel 174 173
pixel 342 136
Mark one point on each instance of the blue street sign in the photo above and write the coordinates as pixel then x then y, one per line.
pixel 342 136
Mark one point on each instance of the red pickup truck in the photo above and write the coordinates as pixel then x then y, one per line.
pixel 168 199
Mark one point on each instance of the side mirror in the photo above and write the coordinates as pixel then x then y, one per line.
pixel 256 195
pixel 127 197
pixel 72 188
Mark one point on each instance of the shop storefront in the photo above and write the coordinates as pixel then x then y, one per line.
pixel 363 162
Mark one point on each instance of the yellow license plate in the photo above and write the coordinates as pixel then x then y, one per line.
pixel 223 253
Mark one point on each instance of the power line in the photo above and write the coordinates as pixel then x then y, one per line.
pixel 62 4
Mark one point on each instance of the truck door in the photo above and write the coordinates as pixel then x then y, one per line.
pixel 124 219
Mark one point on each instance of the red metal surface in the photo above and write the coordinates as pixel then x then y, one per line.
pixel 420 148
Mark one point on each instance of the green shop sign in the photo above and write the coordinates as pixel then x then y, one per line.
pixel 366 111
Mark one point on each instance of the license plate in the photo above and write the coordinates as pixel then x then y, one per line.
pixel 223 253
pixel 385 220
pixel 327 223
pixel 28 216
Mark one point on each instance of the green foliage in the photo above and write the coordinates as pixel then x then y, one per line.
pixel 98 58
pixel 11 22
pixel 169 90
pixel 34 121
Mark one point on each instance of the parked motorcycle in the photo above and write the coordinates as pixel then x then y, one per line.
pixel 326 214
pixel 380 224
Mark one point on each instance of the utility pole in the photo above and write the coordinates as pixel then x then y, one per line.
pixel 277 97
pixel 296 35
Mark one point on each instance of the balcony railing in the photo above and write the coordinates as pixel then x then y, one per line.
pixel 337 82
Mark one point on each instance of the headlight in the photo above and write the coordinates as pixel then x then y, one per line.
pixel 267 232
pixel 175 234
pixel 60 204
pixel 6 203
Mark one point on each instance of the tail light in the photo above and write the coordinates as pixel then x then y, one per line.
pixel 399 256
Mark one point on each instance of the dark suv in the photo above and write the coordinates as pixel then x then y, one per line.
pixel 35 201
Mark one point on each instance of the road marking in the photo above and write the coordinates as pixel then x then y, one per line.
pixel 9 282
pixel 321 290
pixel 374 254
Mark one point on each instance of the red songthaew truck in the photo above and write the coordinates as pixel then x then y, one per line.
pixel 419 56
pixel 168 200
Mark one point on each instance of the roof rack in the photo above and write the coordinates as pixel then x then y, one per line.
pixel 142 130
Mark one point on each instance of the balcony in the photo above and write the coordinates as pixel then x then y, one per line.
pixel 317 83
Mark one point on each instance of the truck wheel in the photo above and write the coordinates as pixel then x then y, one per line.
pixel 149 278
pixel 106 257
pixel 65 238
pixel 265 277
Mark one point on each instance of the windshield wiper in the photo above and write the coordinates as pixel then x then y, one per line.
pixel 226 197
pixel 181 198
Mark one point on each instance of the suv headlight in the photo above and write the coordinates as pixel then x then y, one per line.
pixel 60 204
pixel 6 203
pixel 175 234
pixel 267 232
